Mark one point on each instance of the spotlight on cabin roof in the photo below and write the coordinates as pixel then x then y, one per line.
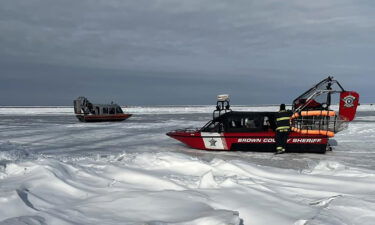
pixel 224 97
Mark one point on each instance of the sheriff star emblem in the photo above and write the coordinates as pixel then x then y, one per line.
pixel 213 142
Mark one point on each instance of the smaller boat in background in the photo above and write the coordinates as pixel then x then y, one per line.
pixel 85 111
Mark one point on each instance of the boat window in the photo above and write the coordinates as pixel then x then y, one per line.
pixel 245 124
pixel 105 110
pixel 111 110
pixel 249 123
pixel 119 110
pixel 267 125
pixel 213 127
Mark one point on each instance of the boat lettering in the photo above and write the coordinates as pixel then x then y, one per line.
pixel 256 140
pixel 269 140
pixel 272 140
pixel 250 140
pixel 306 140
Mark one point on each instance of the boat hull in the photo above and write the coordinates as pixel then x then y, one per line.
pixel 257 142
pixel 103 118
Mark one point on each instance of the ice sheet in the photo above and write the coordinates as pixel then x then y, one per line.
pixel 56 170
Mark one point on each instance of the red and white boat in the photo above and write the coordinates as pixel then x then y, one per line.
pixel 87 112
pixel 313 123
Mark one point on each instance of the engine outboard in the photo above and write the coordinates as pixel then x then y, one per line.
pixel 82 106
pixel 312 113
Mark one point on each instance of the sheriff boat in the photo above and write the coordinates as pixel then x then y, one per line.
pixel 313 123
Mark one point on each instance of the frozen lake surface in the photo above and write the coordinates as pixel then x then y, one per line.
pixel 56 170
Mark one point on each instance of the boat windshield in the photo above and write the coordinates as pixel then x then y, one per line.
pixel 213 126
pixel 119 110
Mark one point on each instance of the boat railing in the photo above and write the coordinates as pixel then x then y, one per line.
pixel 188 130
pixel 318 122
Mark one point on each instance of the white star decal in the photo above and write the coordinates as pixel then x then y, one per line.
pixel 213 142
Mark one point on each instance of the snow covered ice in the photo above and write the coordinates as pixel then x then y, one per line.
pixel 57 170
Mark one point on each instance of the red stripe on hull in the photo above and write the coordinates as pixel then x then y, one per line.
pixel 103 118
pixel 241 140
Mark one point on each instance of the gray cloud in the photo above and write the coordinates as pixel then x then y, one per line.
pixel 196 46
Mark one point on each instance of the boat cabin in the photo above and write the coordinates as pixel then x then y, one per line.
pixel 106 109
pixel 239 122
pixel 84 106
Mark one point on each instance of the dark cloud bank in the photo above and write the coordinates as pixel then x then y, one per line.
pixel 182 52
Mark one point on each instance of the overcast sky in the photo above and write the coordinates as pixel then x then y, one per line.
pixel 152 52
